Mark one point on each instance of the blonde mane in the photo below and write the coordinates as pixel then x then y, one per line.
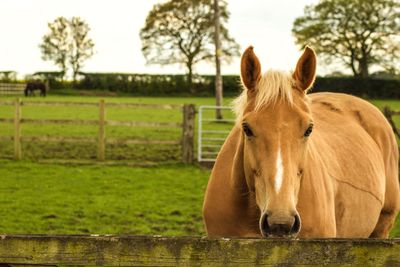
pixel 272 85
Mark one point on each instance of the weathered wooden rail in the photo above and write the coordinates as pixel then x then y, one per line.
pixel 186 142
pixel 12 88
pixel 109 250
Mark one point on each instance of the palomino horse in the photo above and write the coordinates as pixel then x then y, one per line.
pixel 319 165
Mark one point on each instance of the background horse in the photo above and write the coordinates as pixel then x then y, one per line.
pixel 35 85
pixel 319 165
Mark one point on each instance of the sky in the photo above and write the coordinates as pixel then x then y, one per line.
pixel 115 27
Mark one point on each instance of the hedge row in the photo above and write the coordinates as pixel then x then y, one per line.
pixel 203 85
pixel 366 88
pixel 145 84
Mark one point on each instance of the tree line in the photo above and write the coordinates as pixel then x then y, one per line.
pixel 356 34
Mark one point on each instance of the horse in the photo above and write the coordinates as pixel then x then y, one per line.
pixel 300 165
pixel 35 85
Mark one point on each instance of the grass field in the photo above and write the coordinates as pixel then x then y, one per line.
pixel 72 199
pixel 65 199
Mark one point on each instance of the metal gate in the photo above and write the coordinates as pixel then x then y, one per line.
pixel 212 132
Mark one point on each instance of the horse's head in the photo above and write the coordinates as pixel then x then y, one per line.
pixel 276 122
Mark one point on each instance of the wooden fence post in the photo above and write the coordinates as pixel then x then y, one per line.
pixel 101 145
pixel 189 112
pixel 17 130
pixel 388 114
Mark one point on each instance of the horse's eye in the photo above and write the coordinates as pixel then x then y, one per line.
pixel 309 130
pixel 247 130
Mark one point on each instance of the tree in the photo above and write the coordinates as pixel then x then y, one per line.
pixel 67 44
pixel 55 44
pixel 182 32
pixel 81 47
pixel 359 33
pixel 8 76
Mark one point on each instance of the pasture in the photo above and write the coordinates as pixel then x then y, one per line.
pixel 43 197
pixel 67 199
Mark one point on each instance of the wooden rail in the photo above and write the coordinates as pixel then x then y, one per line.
pixel 116 141
pixel 92 104
pixel 187 126
pixel 109 250
pixel 95 122
pixel 12 88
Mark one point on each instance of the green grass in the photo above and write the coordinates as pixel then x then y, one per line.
pixel 57 199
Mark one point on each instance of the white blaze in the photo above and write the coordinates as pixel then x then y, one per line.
pixel 279 172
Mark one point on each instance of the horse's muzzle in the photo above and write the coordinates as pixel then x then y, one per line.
pixel 279 226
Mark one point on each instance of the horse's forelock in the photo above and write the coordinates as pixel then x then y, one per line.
pixel 272 86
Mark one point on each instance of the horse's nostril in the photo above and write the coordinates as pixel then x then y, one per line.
pixel 296 225
pixel 264 224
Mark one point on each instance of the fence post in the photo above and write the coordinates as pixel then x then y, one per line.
pixel 388 114
pixel 101 142
pixel 189 112
pixel 17 130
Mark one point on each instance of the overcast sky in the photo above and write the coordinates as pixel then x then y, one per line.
pixel 115 27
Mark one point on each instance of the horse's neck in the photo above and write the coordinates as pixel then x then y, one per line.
pixel 316 184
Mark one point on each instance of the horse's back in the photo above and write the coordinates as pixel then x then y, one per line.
pixel 360 111
pixel 355 121
pixel 364 157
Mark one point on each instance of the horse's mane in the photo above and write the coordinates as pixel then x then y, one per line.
pixel 273 84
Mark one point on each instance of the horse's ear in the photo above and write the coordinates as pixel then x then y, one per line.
pixel 250 69
pixel 304 74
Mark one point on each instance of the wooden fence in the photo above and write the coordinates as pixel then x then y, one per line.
pixel 109 250
pixel 187 126
pixel 12 88
pixel 389 116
